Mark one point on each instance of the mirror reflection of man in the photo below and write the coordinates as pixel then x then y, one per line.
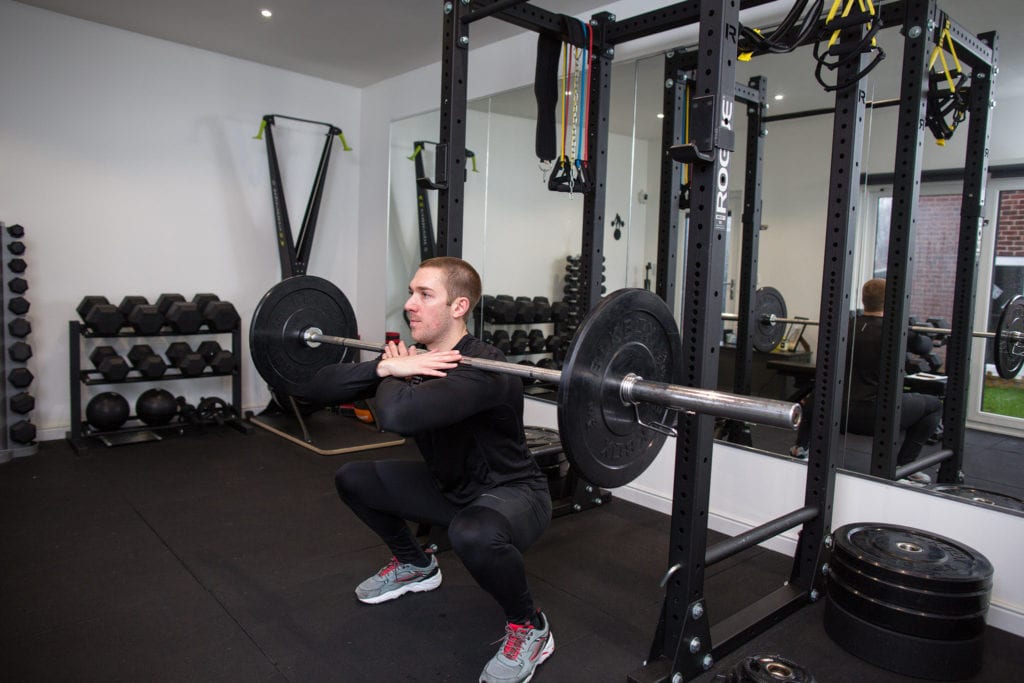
pixel 920 414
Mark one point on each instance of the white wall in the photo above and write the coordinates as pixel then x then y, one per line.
pixel 517 232
pixel 132 165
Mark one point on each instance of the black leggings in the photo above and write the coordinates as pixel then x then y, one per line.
pixel 488 534
pixel 920 415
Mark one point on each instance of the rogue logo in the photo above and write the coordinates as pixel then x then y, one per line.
pixel 724 155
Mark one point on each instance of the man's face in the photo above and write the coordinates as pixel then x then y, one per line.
pixel 430 314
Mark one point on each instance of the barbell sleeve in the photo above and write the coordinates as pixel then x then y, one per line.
pixel 632 389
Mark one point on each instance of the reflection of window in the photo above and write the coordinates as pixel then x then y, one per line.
pixel 999 396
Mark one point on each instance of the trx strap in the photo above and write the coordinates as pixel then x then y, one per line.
pixel 428 246
pixel 946 97
pixel 845 53
pixel 294 254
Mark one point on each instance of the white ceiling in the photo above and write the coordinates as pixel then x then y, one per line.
pixel 355 42
pixel 361 42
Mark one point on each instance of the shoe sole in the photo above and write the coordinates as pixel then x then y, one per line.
pixel 423 586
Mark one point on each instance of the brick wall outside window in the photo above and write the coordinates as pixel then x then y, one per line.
pixel 1010 224
pixel 935 252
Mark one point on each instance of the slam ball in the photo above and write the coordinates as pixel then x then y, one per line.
pixel 156 407
pixel 107 411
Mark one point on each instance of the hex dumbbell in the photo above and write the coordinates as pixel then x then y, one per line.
pixel 220 360
pixel 20 377
pixel 19 327
pixel 23 431
pixel 181 356
pixel 146 361
pixel 22 402
pixel 99 315
pixel 219 316
pixel 19 352
pixel 142 316
pixel 112 366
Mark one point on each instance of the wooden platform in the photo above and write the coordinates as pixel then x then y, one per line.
pixel 329 433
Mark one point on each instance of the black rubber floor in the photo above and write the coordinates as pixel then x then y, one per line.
pixel 991 461
pixel 228 557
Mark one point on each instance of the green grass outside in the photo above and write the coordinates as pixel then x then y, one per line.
pixel 1003 400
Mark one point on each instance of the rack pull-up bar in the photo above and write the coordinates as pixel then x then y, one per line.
pixel 489 10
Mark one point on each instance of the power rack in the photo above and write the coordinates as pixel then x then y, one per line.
pixel 685 643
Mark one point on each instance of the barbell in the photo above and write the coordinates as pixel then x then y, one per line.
pixel 619 382
pixel 770 320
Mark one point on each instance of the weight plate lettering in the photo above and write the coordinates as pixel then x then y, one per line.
pixel 629 331
pixel 280 355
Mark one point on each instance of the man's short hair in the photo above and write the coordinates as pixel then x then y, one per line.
pixel 872 295
pixel 461 279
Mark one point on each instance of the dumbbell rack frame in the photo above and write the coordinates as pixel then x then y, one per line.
pixel 9 448
pixel 82 436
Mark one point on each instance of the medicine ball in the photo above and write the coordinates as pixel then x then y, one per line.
pixel 156 407
pixel 107 411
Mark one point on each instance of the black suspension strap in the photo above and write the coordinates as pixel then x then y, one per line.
pixel 294 253
pixel 846 53
pixel 948 99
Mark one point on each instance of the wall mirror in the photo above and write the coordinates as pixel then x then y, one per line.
pixel 519 234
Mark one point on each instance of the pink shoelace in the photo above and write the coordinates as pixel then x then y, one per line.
pixel 515 634
pixel 391 566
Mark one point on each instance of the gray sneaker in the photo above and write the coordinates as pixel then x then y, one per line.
pixel 396 579
pixel 524 648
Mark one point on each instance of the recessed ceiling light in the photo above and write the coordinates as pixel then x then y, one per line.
pixel 779 96
pixel 266 13
pixel 660 115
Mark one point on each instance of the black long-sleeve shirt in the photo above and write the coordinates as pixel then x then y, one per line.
pixel 866 337
pixel 468 425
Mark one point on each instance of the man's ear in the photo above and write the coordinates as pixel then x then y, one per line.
pixel 460 307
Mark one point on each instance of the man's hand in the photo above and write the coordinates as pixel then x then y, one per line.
pixel 398 360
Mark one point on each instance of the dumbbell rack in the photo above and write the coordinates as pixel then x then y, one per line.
pixel 525 326
pixel 82 435
pixel 17 433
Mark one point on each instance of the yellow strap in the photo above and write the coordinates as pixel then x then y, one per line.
pixel 474 163
pixel 869 8
pixel 259 136
pixel 747 56
pixel 939 53
pixel 344 145
pixel 415 152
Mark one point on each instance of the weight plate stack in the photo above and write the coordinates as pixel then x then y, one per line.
pixel 980 496
pixel 908 600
